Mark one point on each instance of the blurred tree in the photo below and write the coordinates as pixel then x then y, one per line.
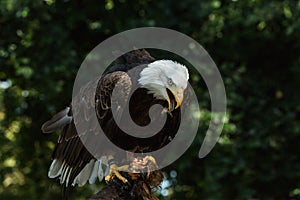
pixel 42 44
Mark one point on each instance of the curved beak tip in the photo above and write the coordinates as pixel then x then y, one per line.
pixel 178 98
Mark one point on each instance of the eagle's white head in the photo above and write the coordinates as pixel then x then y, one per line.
pixel 166 80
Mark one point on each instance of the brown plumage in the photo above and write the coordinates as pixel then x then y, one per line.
pixel 71 157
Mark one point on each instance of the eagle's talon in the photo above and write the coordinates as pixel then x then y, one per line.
pixel 114 172
pixel 151 159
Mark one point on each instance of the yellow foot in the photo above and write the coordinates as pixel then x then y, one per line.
pixel 151 163
pixel 150 159
pixel 114 172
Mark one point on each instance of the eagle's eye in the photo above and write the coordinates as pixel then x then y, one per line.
pixel 170 82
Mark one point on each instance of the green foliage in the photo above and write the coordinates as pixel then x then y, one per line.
pixel 254 43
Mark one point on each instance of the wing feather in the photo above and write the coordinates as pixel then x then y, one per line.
pixel 71 160
pixel 121 83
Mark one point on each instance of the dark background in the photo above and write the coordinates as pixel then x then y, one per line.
pixel 255 44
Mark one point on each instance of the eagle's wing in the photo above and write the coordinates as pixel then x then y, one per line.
pixel 72 162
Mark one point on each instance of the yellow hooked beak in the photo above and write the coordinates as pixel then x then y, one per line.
pixel 178 95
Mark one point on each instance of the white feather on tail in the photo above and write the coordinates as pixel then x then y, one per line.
pixel 93 170
pixel 55 169
pixel 93 175
pixel 84 175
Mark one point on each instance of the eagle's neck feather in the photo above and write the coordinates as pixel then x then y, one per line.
pixel 150 79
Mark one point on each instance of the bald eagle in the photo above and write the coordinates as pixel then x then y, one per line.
pixel 162 82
